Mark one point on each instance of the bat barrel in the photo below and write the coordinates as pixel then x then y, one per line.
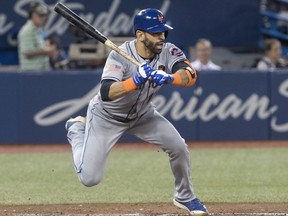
pixel 90 30
pixel 79 22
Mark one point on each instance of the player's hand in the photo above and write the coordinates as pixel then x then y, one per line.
pixel 160 77
pixel 143 73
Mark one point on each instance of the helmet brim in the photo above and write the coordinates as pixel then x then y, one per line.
pixel 159 28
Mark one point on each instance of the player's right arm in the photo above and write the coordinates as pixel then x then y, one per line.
pixel 111 89
pixel 184 74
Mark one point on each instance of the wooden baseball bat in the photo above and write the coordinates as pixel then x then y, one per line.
pixel 77 21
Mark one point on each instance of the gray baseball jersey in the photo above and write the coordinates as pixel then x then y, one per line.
pixel 119 69
pixel 106 121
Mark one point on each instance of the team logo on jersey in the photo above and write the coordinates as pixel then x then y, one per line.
pixel 115 68
pixel 175 51
pixel 160 18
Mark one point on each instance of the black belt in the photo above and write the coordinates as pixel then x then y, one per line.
pixel 119 118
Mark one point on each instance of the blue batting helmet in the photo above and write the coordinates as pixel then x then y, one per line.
pixel 150 20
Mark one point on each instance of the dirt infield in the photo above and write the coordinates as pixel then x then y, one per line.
pixel 144 209
pixel 141 146
pixel 265 209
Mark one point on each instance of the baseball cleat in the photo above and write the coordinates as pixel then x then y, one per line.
pixel 195 207
pixel 71 121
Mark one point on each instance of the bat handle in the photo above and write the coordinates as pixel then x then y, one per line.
pixel 121 52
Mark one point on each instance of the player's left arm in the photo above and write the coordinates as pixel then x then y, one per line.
pixel 184 74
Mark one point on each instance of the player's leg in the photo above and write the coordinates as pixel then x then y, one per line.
pixel 75 134
pixel 154 128
pixel 91 144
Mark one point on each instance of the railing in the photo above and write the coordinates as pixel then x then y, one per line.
pixel 274 21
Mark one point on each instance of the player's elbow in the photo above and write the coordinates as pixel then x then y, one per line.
pixel 192 81
pixel 192 76
pixel 105 89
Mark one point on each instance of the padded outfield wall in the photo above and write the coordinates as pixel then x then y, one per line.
pixel 224 105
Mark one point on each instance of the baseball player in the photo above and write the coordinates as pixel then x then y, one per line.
pixel 123 104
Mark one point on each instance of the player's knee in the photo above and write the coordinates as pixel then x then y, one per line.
pixel 180 150
pixel 90 181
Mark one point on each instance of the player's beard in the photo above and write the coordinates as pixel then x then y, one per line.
pixel 152 46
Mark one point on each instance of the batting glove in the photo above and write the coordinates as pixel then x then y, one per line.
pixel 160 77
pixel 143 73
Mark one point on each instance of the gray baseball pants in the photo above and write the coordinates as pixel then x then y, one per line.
pixel 91 144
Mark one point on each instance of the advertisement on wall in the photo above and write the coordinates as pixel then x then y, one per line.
pixel 223 105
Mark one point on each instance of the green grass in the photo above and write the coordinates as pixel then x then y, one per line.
pixel 222 175
pixel 242 175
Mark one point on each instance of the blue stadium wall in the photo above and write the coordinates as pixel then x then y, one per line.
pixel 227 23
pixel 224 105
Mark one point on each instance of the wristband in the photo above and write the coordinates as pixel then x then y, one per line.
pixel 177 79
pixel 129 85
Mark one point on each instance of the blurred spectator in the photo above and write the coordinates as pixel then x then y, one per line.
pixel 203 61
pixel 58 57
pixel 33 54
pixel 272 58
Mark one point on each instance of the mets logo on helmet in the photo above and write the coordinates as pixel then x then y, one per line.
pixel 160 18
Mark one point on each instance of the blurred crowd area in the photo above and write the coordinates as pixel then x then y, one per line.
pixel 86 53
